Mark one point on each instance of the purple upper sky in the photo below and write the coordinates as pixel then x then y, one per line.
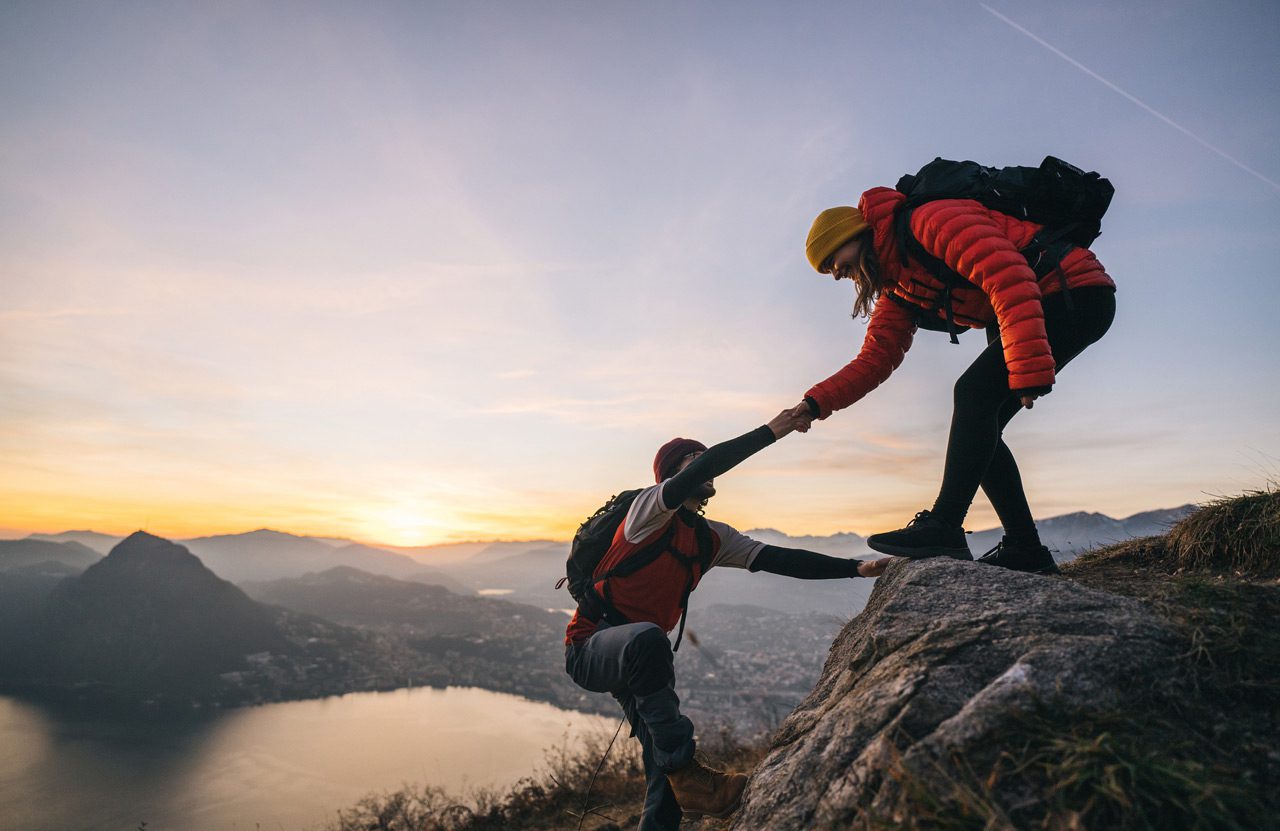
pixel 429 271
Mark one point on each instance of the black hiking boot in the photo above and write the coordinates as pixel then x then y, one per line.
pixel 1033 559
pixel 925 536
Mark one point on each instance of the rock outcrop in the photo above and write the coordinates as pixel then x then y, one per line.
pixel 920 689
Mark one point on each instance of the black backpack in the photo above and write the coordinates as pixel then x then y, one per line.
pixel 1067 201
pixel 591 543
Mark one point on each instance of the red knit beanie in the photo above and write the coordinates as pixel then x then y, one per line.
pixel 670 455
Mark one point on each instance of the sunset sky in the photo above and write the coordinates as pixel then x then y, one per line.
pixel 423 272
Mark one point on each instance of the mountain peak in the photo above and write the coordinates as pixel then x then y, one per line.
pixel 264 534
pixel 141 547
pixel 150 615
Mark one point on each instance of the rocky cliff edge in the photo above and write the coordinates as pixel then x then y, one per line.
pixel 1138 690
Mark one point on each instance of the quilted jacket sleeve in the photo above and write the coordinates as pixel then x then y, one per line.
pixel 962 234
pixel 889 333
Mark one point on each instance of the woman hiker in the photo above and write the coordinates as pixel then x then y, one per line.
pixel 1034 328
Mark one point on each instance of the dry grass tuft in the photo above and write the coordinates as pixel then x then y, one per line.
pixel 585 785
pixel 1128 771
pixel 1142 552
pixel 1239 534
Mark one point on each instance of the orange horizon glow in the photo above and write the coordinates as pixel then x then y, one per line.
pixel 370 524
pixel 176 523
pixel 393 529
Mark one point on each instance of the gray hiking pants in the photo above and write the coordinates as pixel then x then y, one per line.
pixel 634 663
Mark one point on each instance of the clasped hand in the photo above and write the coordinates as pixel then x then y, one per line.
pixel 796 419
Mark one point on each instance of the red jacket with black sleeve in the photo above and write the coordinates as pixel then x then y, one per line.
pixel 981 245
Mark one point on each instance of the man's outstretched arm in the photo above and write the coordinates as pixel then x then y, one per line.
pixel 810 565
pixel 723 457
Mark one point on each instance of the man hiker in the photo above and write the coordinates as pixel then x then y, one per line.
pixel 617 640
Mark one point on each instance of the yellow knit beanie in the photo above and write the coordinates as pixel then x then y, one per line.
pixel 832 229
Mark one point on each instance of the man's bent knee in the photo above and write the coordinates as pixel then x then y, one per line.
pixel 649 663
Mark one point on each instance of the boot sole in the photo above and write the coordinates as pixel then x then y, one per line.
pixel 920 553
pixel 1048 571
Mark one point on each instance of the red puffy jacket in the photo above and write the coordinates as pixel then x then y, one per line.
pixel 980 245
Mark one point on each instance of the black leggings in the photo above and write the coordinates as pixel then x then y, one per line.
pixel 976 452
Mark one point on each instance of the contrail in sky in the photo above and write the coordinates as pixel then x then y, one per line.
pixel 1166 119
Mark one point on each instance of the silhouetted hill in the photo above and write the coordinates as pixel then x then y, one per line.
pixel 354 597
pixel 21 554
pixel 149 616
pixel 379 561
pixel 22 593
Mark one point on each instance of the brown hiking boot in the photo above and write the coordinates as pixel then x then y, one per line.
pixel 702 791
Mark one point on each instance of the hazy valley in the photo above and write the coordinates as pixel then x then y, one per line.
pixel 264 616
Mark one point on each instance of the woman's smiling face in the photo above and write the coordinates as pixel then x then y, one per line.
pixel 841 264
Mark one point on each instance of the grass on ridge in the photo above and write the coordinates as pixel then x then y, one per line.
pixel 1238 534
pixel 1148 772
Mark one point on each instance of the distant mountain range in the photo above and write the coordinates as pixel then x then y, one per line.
pixel 147 619
pixel 1070 535
pixel 1067 535
pixel 101 543
pixel 150 624
pixel 526 572
pixel 251 557
pixel 270 555
pixel 159 622
pixel 358 598
pixel 35 553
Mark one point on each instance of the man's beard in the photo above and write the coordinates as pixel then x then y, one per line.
pixel 704 492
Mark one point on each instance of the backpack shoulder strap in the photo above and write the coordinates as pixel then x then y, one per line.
pixel 706 545
pixel 639 559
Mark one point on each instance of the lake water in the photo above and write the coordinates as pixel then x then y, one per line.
pixel 285 766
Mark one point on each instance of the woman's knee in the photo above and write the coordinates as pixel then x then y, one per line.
pixel 975 392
